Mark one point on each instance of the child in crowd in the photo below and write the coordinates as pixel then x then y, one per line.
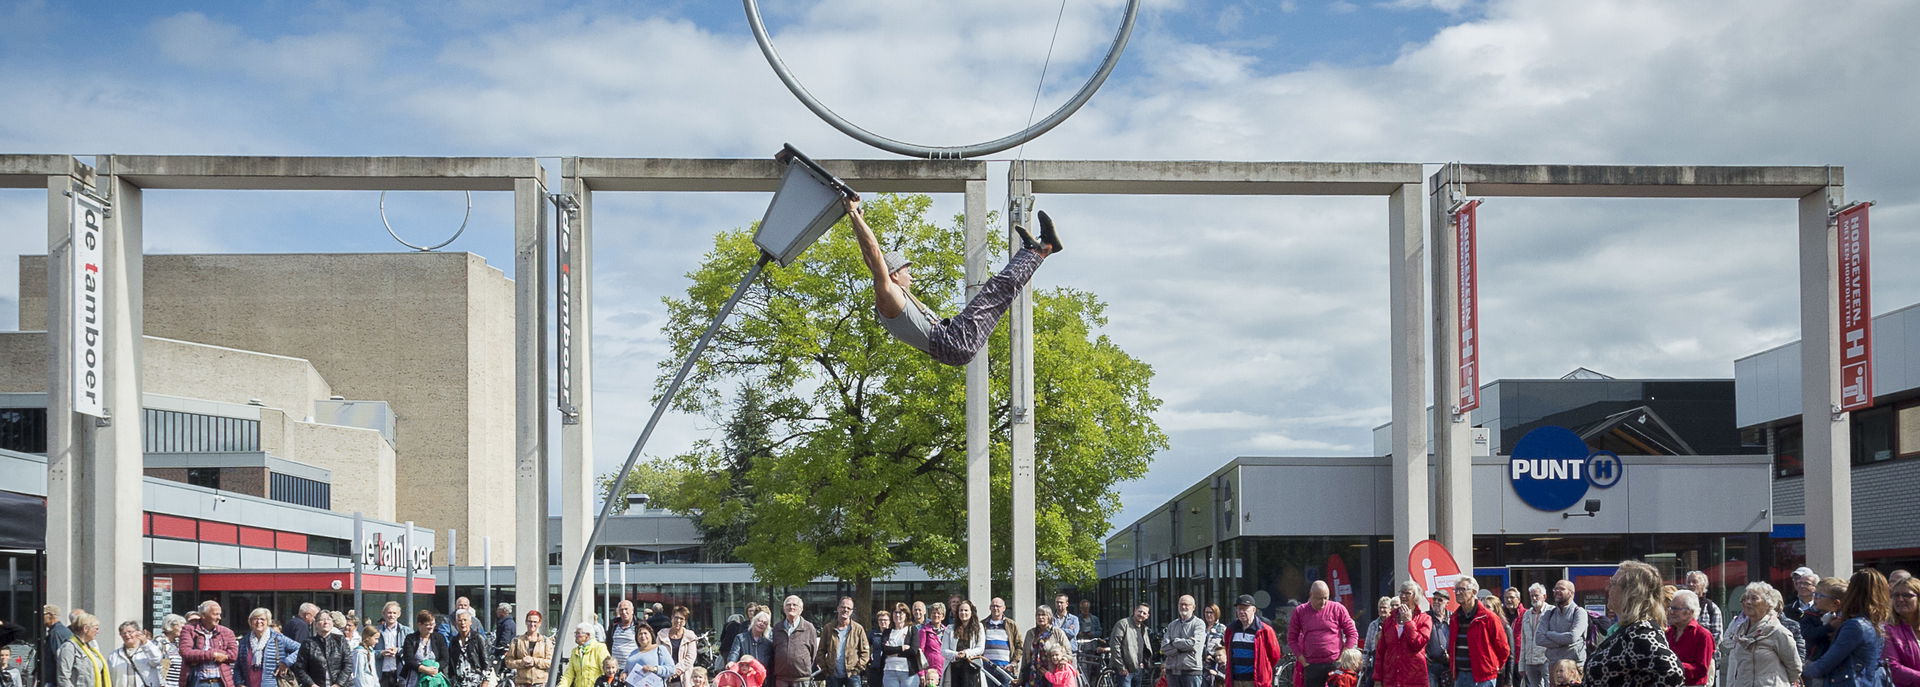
pixel 610 674
pixel 1061 672
pixel 697 677
pixel 1566 673
pixel 1346 670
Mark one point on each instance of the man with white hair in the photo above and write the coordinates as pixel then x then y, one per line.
pixel 1477 645
pixel 620 642
pixel 1184 640
pixel 1709 616
pixel 299 628
pixel 1804 583
pixel 1318 632
pixel 795 643
pixel 1690 642
pixel 1533 655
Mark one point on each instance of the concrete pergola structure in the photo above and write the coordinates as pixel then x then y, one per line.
pixel 1820 192
pixel 1398 183
pixel 95 467
pixel 587 175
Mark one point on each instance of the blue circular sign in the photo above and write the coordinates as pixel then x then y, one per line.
pixel 1604 469
pixel 1548 468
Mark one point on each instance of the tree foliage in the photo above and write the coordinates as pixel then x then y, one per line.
pixel 844 451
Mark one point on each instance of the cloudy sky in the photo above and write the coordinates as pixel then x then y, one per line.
pixel 1265 318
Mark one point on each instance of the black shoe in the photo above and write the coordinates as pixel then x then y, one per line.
pixel 1046 232
pixel 1026 239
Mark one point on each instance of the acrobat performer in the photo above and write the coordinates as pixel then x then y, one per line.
pixel 955 340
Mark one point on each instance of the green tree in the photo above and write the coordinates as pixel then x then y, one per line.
pixel 844 451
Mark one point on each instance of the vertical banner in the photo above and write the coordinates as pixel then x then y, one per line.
pixel 89 295
pixel 1856 310
pixel 563 281
pixel 1465 221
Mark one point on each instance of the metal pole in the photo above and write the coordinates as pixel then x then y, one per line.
pixel 406 567
pixel 568 602
pixel 606 590
pixel 453 553
pixel 359 554
pixel 486 576
pixel 623 579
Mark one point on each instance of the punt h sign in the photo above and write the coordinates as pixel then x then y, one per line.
pixel 89 315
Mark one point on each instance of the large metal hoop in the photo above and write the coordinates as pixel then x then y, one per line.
pixel 942 152
pixel 434 247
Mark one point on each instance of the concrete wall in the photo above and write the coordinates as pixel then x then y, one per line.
pixel 217 373
pixel 430 333
pixel 23 362
pixel 361 461
pixel 1882 505
pixel 1767 384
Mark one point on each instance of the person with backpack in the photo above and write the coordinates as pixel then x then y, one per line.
pixel 1252 647
pixel 1562 628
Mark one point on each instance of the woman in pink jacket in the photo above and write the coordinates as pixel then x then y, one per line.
pixel 1401 657
pixel 1903 648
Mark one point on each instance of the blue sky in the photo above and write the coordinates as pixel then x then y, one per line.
pixel 1627 287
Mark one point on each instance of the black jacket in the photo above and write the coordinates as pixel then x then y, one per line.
pixel 49 647
pixel 473 654
pixel 410 653
pixel 325 661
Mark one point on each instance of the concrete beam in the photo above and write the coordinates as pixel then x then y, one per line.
pixel 1221 178
pixel 1407 332
pixel 233 172
pixel 530 395
pixel 109 545
pixel 1826 436
pixel 979 391
pixel 1020 396
pixel 1452 433
pixel 756 174
pixel 31 171
pixel 577 483
pixel 1637 181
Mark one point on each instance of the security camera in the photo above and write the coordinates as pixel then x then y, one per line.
pixel 1593 511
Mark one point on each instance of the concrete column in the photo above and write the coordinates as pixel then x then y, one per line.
pixel 979 460
pixel 111 548
pixel 1020 359
pixel 1406 253
pixel 576 434
pixel 530 394
pixel 1452 438
pixel 66 437
pixel 1825 438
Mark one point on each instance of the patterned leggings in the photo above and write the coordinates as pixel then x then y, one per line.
pixel 956 340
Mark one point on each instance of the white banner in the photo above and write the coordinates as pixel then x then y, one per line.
pixel 89 301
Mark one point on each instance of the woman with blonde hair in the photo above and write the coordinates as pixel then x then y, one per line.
pixel 1758 651
pixel 1903 647
pixel 1853 660
pixel 1636 653
pixel 80 664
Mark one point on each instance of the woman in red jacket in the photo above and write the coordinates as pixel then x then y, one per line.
pixel 1400 659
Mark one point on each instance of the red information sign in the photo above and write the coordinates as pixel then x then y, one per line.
pixel 1856 311
pixel 1465 220
pixel 1433 568
pixel 1339 582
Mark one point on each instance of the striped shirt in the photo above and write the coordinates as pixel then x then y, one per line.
pixel 999 644
pixel 620 642
pixel 1241 645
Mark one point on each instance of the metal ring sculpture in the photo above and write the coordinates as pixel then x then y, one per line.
pixel 434 247
pixel 942 152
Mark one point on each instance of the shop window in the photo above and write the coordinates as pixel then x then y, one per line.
pixel 23 429
pixel 1907 429
pixel 1786 451
pixel 1872 436
pixel 204 477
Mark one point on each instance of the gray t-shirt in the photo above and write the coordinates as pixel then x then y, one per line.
pixel 914 325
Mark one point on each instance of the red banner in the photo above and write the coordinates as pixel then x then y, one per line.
pixel 1465 220
pixel 1339 582
pixel 1856 311
pixel 1433 568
